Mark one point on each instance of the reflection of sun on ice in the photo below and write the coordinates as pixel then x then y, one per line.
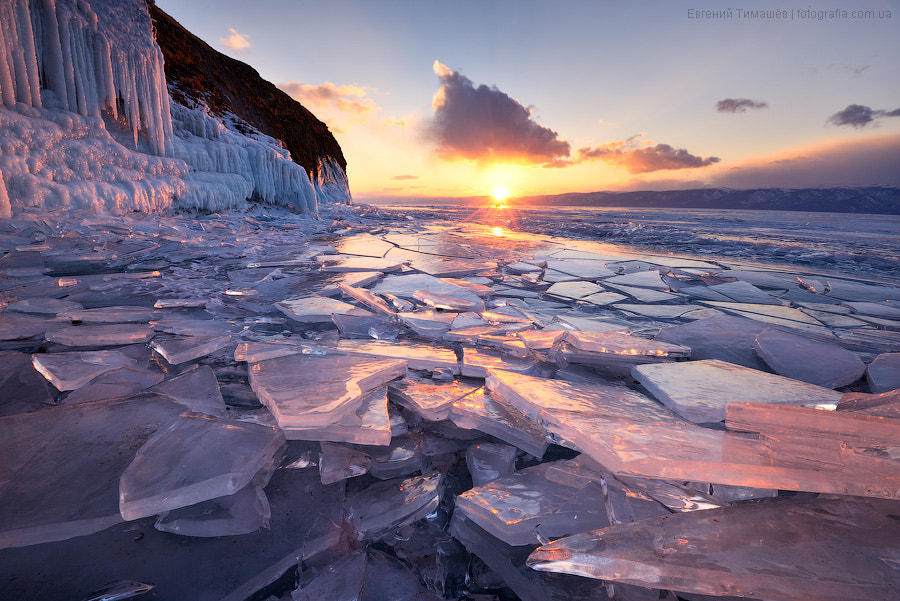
pixel 500 196
pixel 498 231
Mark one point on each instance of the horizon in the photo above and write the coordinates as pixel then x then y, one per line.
pixel 436 101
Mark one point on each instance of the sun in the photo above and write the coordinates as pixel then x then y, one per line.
pixel 500 195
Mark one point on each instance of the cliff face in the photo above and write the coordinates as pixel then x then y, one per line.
pixel 194 70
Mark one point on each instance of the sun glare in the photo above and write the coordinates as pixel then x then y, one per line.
pixel 501 194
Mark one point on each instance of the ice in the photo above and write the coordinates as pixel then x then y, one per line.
pixel 304 391
pixel 588 269
pixel 513 507
pixel 197 458
pixel 479 411
pixel 22 388
pixel 386 505
pixel 82 450
pixel 859 292
pixel 314 309
pixel 778 549
pixel 620 344
pixel 403 457
pixel 361 326
pixel 111 315
pixel 724 337
pixel 429 324
pixel 642 279
pixel 338 462
pixel 658 311
pixel 476 363
pixel 573 290
pixel 801 358
pixel 700 390
pixel 353 279
pixel 488 461
pixel 114 384
pixel 103 335
pixel 68 371
pixel 368 299
pixel 241 513
pixel 197 389
pixel 447 301
pixel 405 286
pixel 366 576
pixel 18 326
pixel 42 306
pixel 447 268
pixel 745 292
pixel 886 403
pixel 883 374
pixel 646 295
pixel 182 349
pixel 370 424
pixel 338 263
pixel 417 354
pixel 431 400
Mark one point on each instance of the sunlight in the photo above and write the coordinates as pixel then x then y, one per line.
pixel 498 231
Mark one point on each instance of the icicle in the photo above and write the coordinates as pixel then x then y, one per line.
pixel 7 87
pixel 5 207
pixel 26 37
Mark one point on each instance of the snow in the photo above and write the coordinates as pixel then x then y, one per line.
pixel 104 136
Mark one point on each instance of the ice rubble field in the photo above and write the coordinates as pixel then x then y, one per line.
pixel 262 405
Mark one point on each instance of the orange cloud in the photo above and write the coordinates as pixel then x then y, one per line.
pixel 235 42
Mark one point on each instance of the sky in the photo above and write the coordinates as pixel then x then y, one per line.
pixel 438 99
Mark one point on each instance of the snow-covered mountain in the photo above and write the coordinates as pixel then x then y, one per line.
pixel 88 121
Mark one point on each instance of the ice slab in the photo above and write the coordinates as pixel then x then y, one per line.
pixel 197 389
pixel 619 344
pixel 18 326
pixel 858 292
pixel 570 321
pixel 700 390
pixel 186 348
pixel 114 384
pixel 801 358
pixel 429 324
pixel 338 462
pixel 358 279
pixel 367 576
pixel 447 302
pixel 875 309
pixel 503 421
pixel 488 461
pixel 365 245
pixel 365 326
pixel 419 355
pixel 243 512
pixel 42 306
pixel 883 373
pixel 645 295
pixel 406 285
pixel 632 435
pixel 102 335
pixel 430 399
pixel 370 424
pixel 774 549
pixel 787 316
pixel 68 371
pixel 118 314
pixel 196 458
pixel 22 388
pixel 588 269
pixel 445 268
pixel 83 450
pixel 476 363
pixel 304 391
pixel 368 299
pixel 724 337
pixel 573 290
pixel 403 457
pixel 886 403
pixel 313 309
pixel 642 279
pixel 387 505
pixel 335 263
pixel 513 507
pixel 745 292
pixel 657 311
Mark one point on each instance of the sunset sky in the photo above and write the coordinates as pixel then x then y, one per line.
pixel 439 99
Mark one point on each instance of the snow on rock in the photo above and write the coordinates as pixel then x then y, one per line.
pixel 87 122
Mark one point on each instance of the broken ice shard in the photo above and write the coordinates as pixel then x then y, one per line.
pixel 338 462
pixel 886 403
pixel 304 391
pixel 418 355
pixel 22 388
pixel 313 309
pixel 185 348
pixel 68 371
pixel 630 434
pixel 883 373
pixel 813 361
pixel 488 461
pixel 195 459
pixel 700 390
pixel 114 384
pixel 197 389
pixel 122 314
pixel 82 449
pixel 447 302
pixel 370 424
pixel 241 513
pixel 102 335
pixel 392 503
pixel 479 411
pixel 512 507
pixel 774 549
pixel 430 399
pixel 724 337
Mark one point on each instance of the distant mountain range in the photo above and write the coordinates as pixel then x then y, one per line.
pixel 829 200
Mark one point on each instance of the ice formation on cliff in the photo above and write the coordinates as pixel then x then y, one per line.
pixel 87 123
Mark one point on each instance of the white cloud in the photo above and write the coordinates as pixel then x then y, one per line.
pixel 236 42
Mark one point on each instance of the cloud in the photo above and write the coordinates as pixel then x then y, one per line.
pixel 346 99
pixel 235 42
pixel 402 177
pixel 739 105
pixel 869 162
pixel 643 159
pixel 860 115
pixel 485 124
